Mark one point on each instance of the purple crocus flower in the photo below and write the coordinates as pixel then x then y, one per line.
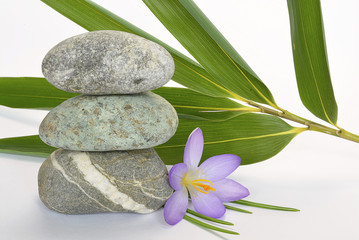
pixel 206 184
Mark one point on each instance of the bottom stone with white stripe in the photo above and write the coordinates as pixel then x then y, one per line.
pixel 74 182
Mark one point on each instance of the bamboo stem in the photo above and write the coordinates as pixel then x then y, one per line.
pixel 312 126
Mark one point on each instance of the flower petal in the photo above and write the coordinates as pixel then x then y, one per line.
pixel 218 167
pixel 194 148
pixel 229 190
pixel 208 204
pixel 176 175
pixel 176 206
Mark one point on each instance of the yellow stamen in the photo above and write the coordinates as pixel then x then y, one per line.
pixel 197 183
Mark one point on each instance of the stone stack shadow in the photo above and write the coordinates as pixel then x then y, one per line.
pixel 106 161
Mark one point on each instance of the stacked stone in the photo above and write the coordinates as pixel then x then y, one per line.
pixel 106 161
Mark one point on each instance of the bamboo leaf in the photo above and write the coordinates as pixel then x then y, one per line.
pixel 30 92
pixel 205 43
pixel 266 206
pixel 253 137
pixel 310 59
pixel 93 17
pixel 193 105
pixel 205 225
pixel 37 93
pixel 208 26
pixel 28 145
pixel 256 137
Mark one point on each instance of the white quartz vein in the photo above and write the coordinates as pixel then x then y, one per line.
pixel 139 184
pixel 108 189
pixel 68 178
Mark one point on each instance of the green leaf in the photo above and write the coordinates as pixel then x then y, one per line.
pixel 37 93
pixel 28 145
pixel 237 209
pixel 310 59
pixel 93 17
pixel 253 137
pixel 205 225
pixel 256 137
pixel 204 42
pixel 266 206
pixel 193 105
pixel 29 92
pixel 208 26
pixel 209 218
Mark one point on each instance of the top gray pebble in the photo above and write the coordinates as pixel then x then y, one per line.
pixel 107 62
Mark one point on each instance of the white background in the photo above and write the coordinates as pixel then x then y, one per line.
pixel 316 173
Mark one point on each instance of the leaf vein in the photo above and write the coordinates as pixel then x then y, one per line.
pixel 313 73
pixel 292 131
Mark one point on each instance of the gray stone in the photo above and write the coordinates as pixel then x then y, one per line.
pixel 107 62
pixel 74 182
pixel 107 123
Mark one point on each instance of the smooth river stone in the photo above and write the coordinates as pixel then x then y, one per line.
pixel 74 182
pixel 108 62
pixel 107 123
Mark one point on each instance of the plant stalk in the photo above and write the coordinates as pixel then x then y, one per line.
pixel 312 126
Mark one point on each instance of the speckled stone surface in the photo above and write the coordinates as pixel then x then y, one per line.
pixel 107 62
pixel 74 182
pixel 107 123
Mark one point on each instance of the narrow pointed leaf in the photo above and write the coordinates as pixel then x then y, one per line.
pixel 27 145
pixel 266 206
pixel 310 59
pixel 30 92
pixel 237 209
pixel 93 17
pixel 205 225
pixel 209 218
pixel 202 19
pixel 193 105
pixel 37 93
pixel 205 43
pixel 253 137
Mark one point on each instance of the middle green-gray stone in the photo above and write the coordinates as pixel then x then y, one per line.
pixel 107 123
